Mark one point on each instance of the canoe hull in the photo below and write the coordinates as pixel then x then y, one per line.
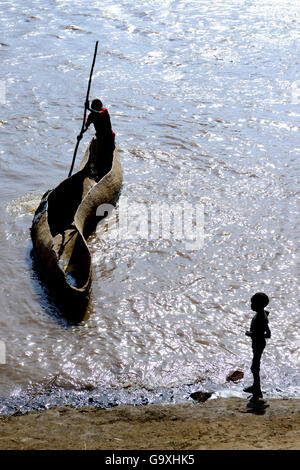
pixel 60 228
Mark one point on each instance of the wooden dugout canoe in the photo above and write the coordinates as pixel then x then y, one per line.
pixel 62 223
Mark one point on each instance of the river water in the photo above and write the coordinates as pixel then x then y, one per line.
pixel 204 98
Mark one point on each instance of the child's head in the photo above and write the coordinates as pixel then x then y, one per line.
pixel 259 301
pixel 96 105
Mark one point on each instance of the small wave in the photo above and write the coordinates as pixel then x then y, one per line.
pixel 26 204
pixel 73 27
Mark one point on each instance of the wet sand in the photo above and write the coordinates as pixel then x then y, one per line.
pixel 215 424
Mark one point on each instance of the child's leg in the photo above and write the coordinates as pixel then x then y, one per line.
pixel 255 367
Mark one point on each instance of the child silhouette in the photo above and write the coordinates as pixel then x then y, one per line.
pixel 259 331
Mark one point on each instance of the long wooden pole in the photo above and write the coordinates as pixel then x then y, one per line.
pixel 85 109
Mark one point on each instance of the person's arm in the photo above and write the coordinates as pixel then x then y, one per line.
pixel 87 125
pixel 88 122
pixel 267 332
pixel 250 332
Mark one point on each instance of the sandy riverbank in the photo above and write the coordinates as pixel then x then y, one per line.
pixel 215 424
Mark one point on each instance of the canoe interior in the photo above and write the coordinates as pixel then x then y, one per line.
pixel 63 202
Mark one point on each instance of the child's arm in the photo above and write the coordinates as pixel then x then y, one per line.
pixel 267 332
pixel 267 329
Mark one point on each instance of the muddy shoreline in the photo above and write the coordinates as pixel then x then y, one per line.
pixel 217 424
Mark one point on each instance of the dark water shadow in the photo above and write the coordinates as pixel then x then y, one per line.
pixel 47 297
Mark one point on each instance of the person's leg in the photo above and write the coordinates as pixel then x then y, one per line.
pixel 255 368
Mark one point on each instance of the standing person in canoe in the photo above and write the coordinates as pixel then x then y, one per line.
pixel 99 116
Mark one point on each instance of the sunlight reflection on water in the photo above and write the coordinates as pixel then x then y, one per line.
pixel 200 97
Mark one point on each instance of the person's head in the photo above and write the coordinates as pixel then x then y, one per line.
pixel 259 301
pixel 96 105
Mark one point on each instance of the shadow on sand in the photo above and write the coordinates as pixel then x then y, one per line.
pixel 257 407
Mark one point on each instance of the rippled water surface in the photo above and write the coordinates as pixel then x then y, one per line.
pixel 204 98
